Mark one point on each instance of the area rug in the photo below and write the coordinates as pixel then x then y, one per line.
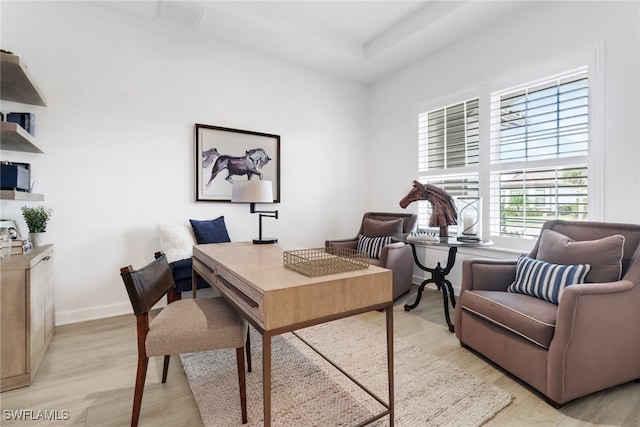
pixel 309 391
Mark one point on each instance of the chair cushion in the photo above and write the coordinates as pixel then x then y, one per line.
pixel 544 280
pixel 604 255
pixel 212 231
pixel 372 246
pixel 190 325
pixel 176 241
pixel 532 318
pixel 377 228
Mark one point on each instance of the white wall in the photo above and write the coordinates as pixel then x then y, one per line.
pixel 545 32
pixel 118 133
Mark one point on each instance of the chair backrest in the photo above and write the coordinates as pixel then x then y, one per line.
pixel 148 284
pixel 591 230
pixel 409 220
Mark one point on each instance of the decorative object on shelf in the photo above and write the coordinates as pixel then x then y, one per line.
pixel 15 176
pixel 26 120
pixel 443 207
pixel 12 242
pixel 36 218
pixel 224 154
pixel 253 192
pixel 469 219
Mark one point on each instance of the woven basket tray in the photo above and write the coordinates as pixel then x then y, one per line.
pixel 323 261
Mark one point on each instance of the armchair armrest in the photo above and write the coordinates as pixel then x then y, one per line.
pixel 344 243
pixel 394 253
pixel 398 258
pixel 601 320
pixel 487 274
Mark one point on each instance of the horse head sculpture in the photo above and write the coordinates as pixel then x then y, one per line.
pixel 443 212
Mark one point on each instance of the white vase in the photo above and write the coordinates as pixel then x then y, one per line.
pixel 38 239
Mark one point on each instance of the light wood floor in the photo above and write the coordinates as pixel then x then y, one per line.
pixel 89 371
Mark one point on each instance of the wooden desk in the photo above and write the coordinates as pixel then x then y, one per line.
pixel 277 300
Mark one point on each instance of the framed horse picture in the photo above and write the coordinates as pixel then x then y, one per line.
pixel 224 155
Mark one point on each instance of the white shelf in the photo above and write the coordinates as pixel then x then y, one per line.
pixel 15 138
pixel 17 83
pixel 21 195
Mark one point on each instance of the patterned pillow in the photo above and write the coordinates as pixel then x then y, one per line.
pixel 372 246
pixel 546 281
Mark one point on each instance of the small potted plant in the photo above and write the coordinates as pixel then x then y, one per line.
pixel 36 218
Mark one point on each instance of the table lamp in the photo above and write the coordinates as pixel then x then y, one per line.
pixel 255 192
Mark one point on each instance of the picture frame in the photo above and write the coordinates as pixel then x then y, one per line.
pixel 251 155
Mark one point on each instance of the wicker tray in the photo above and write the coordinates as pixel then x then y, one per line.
pixel 322 261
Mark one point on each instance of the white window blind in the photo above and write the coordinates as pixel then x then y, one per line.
pixel 539 148
pixel 448 147
pixel 448 137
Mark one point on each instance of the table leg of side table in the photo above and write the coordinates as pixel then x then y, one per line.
pixel 438 277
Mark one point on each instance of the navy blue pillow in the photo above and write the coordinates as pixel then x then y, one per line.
pixel 212 231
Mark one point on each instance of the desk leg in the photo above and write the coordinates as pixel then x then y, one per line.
pixel 389 313
pixel 194 283
pixel 266 378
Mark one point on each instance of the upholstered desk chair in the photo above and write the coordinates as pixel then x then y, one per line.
pixel 183 326
pixel 397 256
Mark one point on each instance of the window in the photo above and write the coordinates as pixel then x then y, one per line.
pixel 448 151
pixel 527 156
pixel 539 148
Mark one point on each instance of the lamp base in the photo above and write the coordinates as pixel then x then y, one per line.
pixel 265 241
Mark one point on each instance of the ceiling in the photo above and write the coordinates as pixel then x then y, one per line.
pixel 359 40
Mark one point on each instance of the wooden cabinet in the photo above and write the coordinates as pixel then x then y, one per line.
pixel 26 315
pixel 17 85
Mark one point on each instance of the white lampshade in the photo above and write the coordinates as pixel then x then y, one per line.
pixel 251 191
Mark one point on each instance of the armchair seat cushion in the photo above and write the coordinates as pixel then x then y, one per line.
pixel 532 318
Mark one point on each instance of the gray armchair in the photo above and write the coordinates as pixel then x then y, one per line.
pixel 587 342
pixel 397 257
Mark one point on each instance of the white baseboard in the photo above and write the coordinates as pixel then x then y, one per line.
pixel 112 310
pixel 92 313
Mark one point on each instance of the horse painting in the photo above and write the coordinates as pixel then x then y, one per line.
pixel 208 156
pixel 243 165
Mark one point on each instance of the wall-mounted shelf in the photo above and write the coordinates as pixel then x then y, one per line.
pixel 15 138
pixel 20 195
pixel 17 83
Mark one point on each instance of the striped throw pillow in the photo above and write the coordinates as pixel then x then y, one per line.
pixel 372 246
pixel 544 280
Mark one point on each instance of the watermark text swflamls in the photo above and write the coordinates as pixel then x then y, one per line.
pixel 36 414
